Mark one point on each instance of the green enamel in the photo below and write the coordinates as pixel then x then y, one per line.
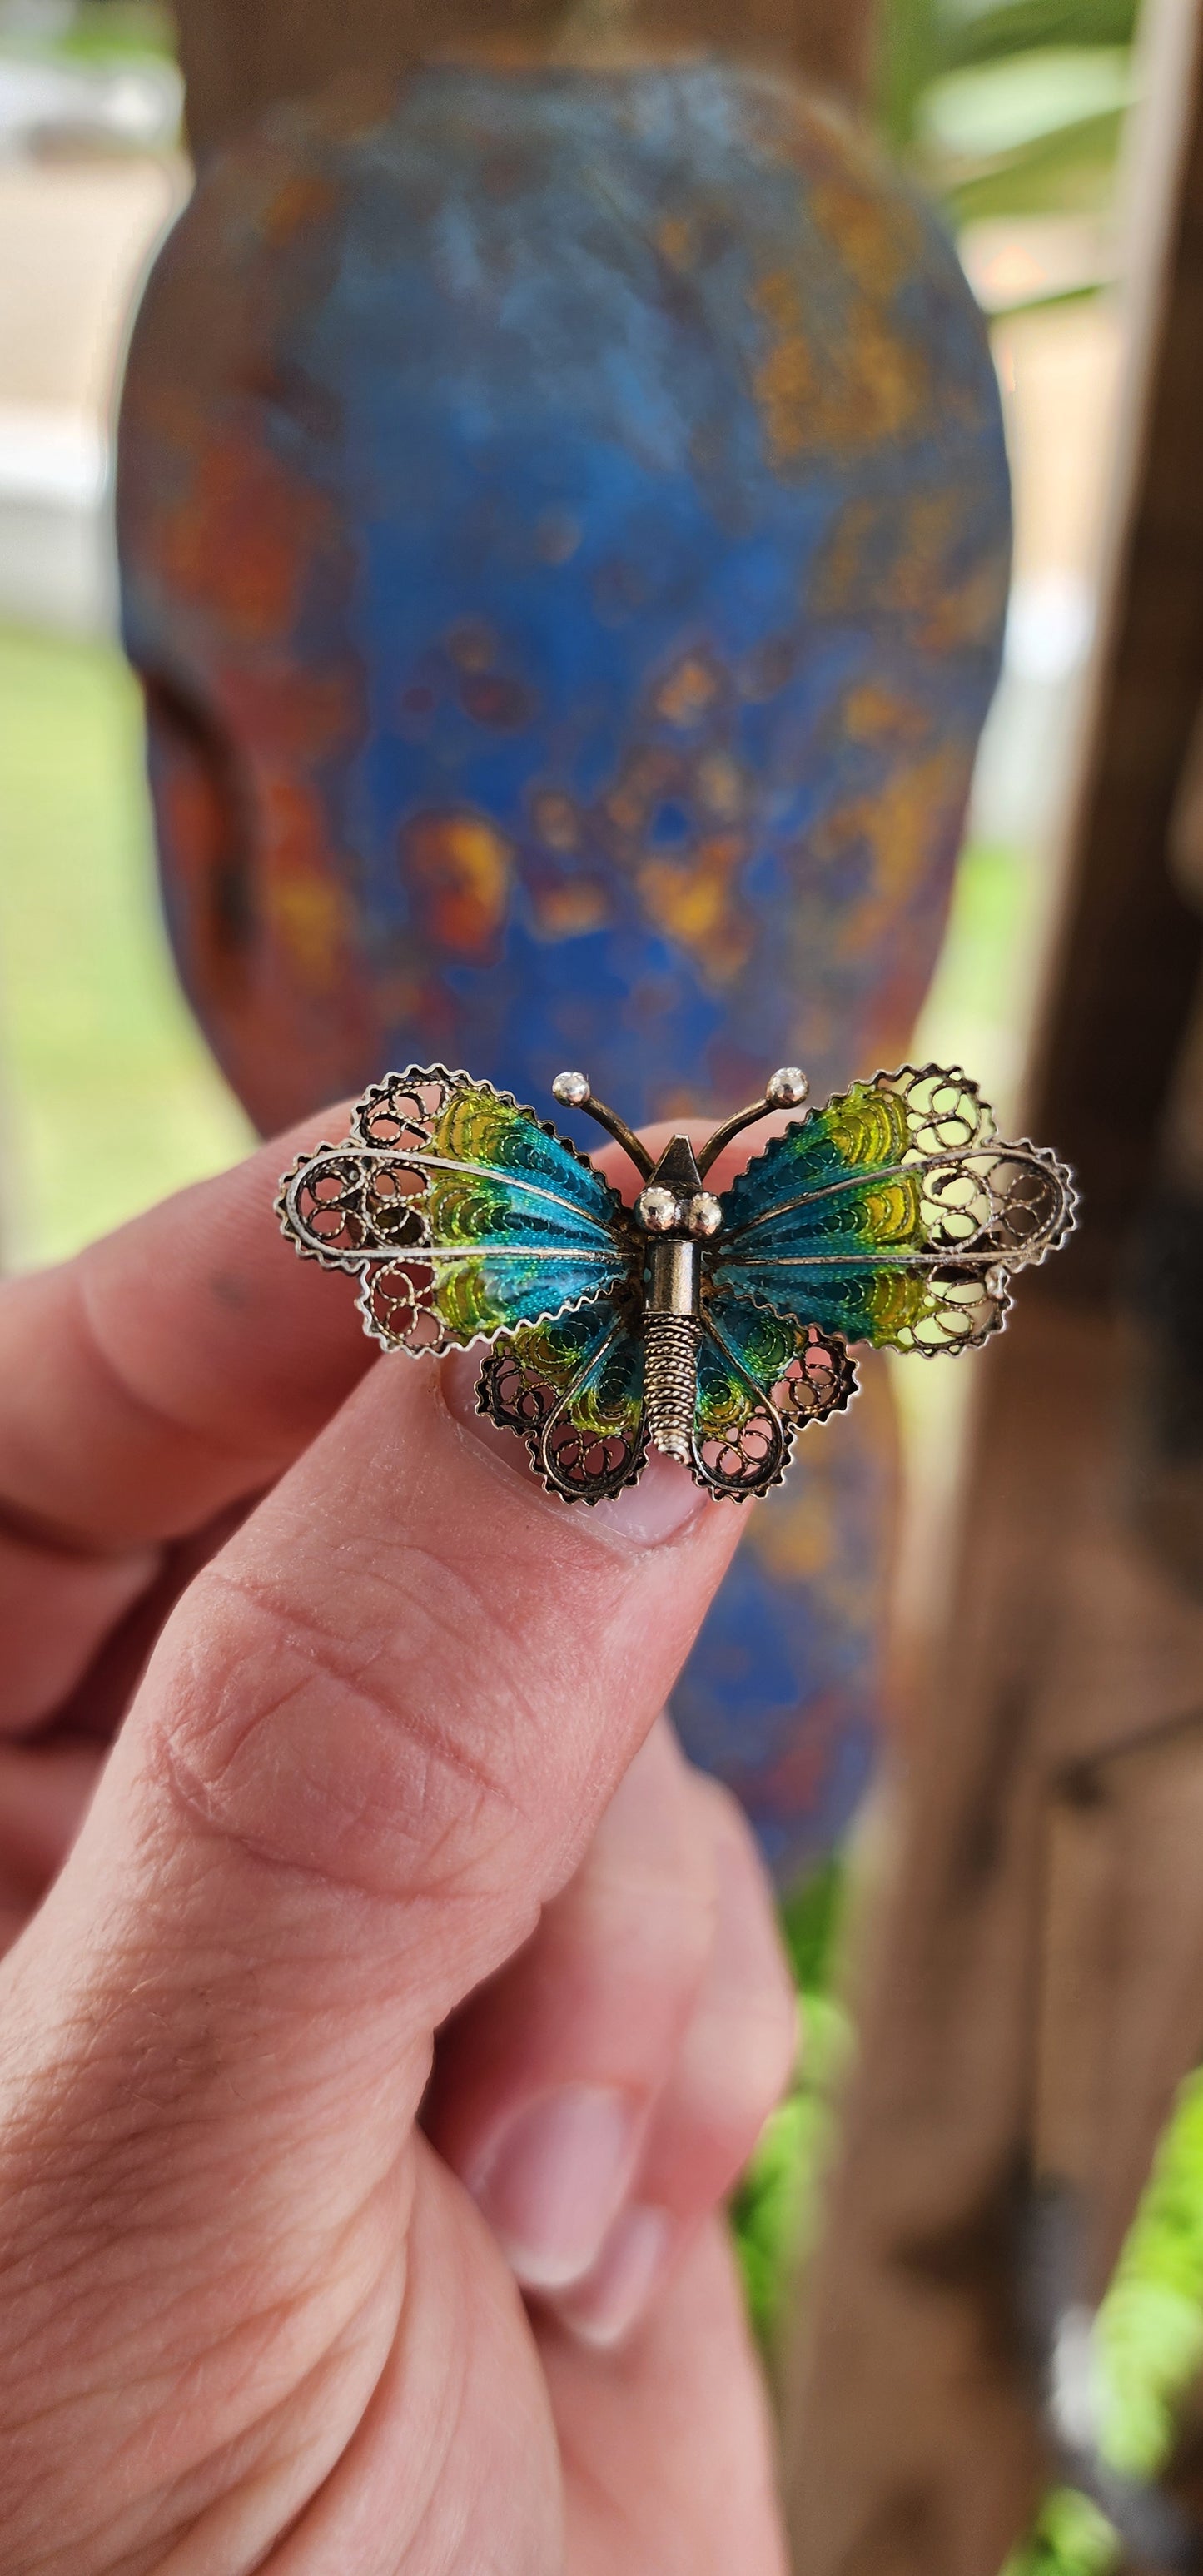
pixel 765 1344
pixel 842 1165
pixel 535 1198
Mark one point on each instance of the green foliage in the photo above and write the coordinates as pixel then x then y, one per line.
pixel 982 115
pixel 770 2209
pixel 1148 2349
pixel 1149 2334
pixel 1070 2537
pixel 97 31
pixel 1150 2327
pixel 1008 106
pixel 1068 172
pixel 912 52
pixel 775 2210
pixel 982 31
pixel 810 1924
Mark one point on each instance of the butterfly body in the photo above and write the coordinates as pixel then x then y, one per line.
pixel 712 1328
pixel 671 1288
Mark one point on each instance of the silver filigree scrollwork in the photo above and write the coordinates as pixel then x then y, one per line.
pixel 581 1460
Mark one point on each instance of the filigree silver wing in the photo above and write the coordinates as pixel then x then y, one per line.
pixel 462 1214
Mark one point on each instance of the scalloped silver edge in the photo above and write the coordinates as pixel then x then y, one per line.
pixel 357 1265
pixel 1045 1155
pixel 532 1440
pixel 872 1082
pixel 480 1082
pixel 485 1341
pixel 792 1430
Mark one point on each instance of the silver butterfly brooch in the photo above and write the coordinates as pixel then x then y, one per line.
pixel 712 1328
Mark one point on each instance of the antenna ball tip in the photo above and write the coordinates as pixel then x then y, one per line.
pixel 571 1090
pixel 786 1088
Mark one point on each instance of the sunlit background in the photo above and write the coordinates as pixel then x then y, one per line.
pixel 1016 114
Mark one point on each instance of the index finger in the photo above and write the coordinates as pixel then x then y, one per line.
pixel 179 1365
pixel 172 1368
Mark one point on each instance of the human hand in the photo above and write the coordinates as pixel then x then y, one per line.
pixel 390 1795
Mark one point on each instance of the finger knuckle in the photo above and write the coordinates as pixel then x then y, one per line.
pixel 312 1752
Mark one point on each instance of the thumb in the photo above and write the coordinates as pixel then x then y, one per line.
pixel 401 1697
pixel 375 1735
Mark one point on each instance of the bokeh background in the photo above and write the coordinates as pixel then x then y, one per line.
pixel 1015 114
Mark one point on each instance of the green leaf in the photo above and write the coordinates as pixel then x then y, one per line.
pixel 1003 107
pixel 912 52
pixel 1070 2537
pixel 810 1922
pixel 1068 172
pixel 774 2212
pixel 977 31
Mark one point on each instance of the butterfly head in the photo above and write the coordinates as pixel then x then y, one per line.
pixel 674 1201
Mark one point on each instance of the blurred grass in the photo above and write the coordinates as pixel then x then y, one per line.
pixel 109 1096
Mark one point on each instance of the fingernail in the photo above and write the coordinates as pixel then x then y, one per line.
pixel 552 2185
pixel 629 2270
pixel 664 1501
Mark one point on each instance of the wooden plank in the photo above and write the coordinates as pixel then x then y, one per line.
pixel 1038 1989
pixel 912 2446
pixel 1040 1954
pixel 1128 955
pixel 1123 1960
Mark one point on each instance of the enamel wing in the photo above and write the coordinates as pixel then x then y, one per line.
pixel 712 1328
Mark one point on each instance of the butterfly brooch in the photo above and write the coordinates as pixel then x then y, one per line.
pixel 712 1328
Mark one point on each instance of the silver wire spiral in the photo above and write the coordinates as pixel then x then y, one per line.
pixel 670 1378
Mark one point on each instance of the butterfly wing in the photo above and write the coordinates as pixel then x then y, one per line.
pixel 893 1215
pixel 760 1379
pixel 463 1213
pixel 573 1390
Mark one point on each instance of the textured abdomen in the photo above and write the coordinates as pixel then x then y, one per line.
pixel 670 1376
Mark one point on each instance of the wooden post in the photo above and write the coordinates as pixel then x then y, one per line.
pixel 1128 956
pixel 1039 1976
